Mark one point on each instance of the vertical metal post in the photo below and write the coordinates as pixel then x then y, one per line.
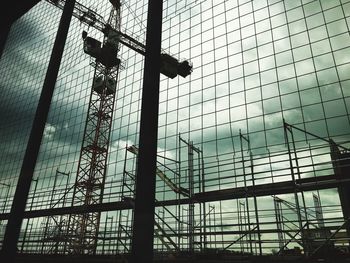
pixel 204 204
pixel 143 230
pixel 120 213
pixel 62 217
pixel 24 181
pixel 318 211
pixel 254 196
pixel 47 224
pixel 178 197
pixel 340 163
pixel 105 234
pixel 298 173
pixel 210 225
pixel 240 224
pixel 201 205
pixel 6 200
pixel 286 130
pixel 7 196
pixel 246 199
pixel 28 219
pixel 279 222
pixel 191 205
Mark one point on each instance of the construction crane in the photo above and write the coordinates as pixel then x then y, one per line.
pixel 82 229
pixel 170 66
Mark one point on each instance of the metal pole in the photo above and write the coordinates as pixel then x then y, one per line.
pixel 204 205
pixel 31 206
pixel 286 130
pixel 241 137
pixel 7 196
pixel 254 196
pixel 191 205
pixel 178 198
pixel 24 181
pixel 46 229
pixel 6 199
pixel 143 231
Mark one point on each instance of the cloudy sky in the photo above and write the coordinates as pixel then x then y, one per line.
pixel 255 64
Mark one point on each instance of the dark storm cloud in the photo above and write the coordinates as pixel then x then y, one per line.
pixel 26 31
pixel 21 84
pixel 66 130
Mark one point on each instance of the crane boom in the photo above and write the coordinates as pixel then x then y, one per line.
pixel 83 13
pixel 94 20
pixel 170 66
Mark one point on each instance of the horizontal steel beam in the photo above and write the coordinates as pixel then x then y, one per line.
pixel 305 184
pixel 74 210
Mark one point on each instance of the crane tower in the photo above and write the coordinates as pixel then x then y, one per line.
pixel 81 230
pixel 89 185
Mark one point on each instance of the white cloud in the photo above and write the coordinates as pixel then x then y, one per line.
pixel 49 131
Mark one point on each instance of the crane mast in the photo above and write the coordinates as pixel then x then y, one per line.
pixel 90 180
pixel 81 230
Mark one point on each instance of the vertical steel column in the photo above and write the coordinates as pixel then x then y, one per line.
pixel 241 137
pixel 143 231
pixel 28 219
pixel 298 173
pixel 279 222
pixel 254 196
pixel 340 163
pixel 179 196
pixel 286 130
pixel 48 218
pixel 24 181
pixel 318 211
pixel 191 205
pixel 6 198
pixel 204 204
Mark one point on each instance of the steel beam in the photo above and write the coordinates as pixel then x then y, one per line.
pixel 287 187
pixel 29 161
pixel 143 225
pixel 305 184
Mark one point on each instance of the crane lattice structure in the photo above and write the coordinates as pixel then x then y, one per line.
pixel 82 229
pixel 90 180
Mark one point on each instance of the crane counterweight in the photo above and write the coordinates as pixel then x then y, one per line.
pixel 107 54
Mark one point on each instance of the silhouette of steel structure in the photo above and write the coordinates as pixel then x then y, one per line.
pixel 253 150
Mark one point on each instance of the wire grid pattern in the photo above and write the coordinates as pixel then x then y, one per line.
pixel 256 63
pixel 23 67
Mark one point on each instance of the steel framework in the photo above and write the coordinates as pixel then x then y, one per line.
pixel 82 229
pixel 217 195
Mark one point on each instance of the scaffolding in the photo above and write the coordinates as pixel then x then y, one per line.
pixel 253 148
pixel 181 227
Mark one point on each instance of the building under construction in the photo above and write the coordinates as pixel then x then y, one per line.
pixel 251 152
